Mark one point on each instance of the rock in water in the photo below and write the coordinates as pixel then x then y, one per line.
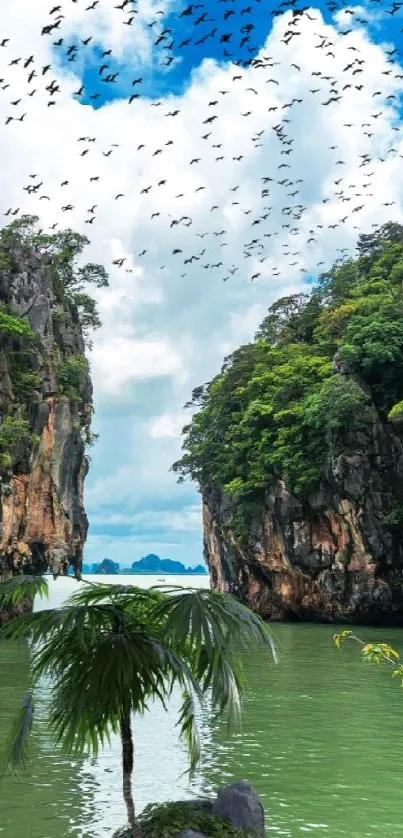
pixel 236 806
pixel 239 803
pixel 45 415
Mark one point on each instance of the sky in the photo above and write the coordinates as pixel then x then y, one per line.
pixel 243 168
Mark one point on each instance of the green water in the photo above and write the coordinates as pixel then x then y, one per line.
pixel 322 741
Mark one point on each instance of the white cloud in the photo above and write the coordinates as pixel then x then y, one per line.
pixel 167 425
pixel 118 360
pixel 167 321
pixel 152 521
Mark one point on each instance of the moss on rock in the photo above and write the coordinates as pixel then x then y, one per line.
pixel 166 820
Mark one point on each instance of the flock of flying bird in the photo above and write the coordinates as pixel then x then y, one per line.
pixel 233 33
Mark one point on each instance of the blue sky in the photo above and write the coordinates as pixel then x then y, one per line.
pixel 168 321
pixel 191 43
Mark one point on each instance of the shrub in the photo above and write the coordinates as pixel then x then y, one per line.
pixel 72 374
pixel 12 325
pixel 395 415
pixel 12 433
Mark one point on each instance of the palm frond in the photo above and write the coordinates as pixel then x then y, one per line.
pixel 99 591
pixel 15 589
pixel 19 735
pixel 209 630
pixel 112 648
pixel 189 730
pixel 211 617
pixel 42 624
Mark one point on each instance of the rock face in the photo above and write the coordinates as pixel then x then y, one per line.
pixel 336 556
pixel 239 803
pixel 42 518
pixel 236 806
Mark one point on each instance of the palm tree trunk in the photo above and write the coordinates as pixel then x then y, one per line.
pixel 127 766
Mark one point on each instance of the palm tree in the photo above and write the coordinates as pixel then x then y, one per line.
pixel 112 648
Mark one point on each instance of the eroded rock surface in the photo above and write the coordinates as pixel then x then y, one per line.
pixel 42 518
pixel 331 558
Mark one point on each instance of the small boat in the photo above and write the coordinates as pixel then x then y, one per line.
pixel 161 580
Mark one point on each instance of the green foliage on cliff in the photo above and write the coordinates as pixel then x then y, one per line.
pixel 26 361
pixel 72 373
pixel 69 278
pixel 18 342
pixel 396 413
pixel 307 388
pixel 13 432
pixel 13 326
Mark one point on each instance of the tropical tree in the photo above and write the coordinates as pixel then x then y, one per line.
pixel 321 369
pixel 113 648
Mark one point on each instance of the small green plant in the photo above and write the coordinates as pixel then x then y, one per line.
pixel 6 459
pixel 24 383
pixel 72 374
pixel 89 437
pixel 166 819
pixel 5 261
pixel 12 433
pixel 395 415
pixel 394 518
pixel 58 314
pixel 12 325
pixel 87 311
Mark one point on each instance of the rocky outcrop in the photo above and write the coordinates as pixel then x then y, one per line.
pixel 236 807
pixel 240 805
pixel 338 555
pixel 46 387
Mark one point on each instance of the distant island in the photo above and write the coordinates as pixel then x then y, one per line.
pixel 150 564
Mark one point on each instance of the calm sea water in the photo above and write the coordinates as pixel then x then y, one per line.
pixel 322 741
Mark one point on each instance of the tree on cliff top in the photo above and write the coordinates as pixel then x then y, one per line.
pixel 114 648
pixel 322 367
pixel 64 249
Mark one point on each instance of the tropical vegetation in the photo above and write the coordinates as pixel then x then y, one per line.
pixel 168 819
pixel 377 653
pixel 24 356
pixel 64 249
pixel 112 649
pixel 321 366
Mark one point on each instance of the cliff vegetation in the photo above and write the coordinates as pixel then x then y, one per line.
pixel 46 317
pixel 309 416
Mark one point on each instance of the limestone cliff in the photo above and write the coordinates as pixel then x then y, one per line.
pixel 328 558
pixel 297 448
pixel 45 414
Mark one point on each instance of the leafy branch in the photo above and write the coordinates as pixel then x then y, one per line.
pixel 376 653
